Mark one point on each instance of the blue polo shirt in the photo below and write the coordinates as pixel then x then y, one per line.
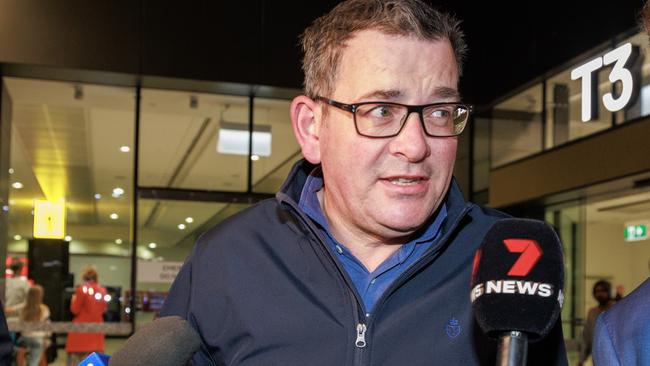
pixel 369 285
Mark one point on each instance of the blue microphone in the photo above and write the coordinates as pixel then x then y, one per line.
pixel 95 359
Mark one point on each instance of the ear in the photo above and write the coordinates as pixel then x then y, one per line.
pixel 305 118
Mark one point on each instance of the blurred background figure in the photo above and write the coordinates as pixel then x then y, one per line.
pixel 602 292
pixel 16 289
pixel 34 311
pixel 88 306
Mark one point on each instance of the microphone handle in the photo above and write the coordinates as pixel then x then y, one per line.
pixel 513 349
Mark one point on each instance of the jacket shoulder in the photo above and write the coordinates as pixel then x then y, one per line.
pixel 254 224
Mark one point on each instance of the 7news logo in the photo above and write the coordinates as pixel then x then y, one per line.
pixel 530 255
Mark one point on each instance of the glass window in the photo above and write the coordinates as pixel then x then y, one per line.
pixel 639 106
pixel 193 141
pixel 69 165
pixel 517 127
pixel 481 158
pixel 278 148
pixel 564 106
pixel 568 221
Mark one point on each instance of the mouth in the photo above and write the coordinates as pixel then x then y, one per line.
pixel 405 181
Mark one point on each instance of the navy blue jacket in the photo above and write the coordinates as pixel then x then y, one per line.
pixel 263 288
pixel 622 333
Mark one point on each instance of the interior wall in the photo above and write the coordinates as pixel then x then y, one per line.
pixel 609 257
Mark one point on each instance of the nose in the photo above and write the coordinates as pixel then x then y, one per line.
pixel 412 142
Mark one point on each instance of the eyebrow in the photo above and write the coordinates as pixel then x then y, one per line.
pixel 444 93
pixel 382 94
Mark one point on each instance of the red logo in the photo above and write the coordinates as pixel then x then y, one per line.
pixel 530 254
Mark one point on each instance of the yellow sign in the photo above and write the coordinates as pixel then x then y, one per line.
pixel 49 219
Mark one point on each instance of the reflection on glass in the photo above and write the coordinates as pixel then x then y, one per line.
pixel 272 117
pixel 62 143
pixel 183 144
pixel 517 127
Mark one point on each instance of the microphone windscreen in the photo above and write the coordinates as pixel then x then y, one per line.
pixel 518 278
pixel 167 341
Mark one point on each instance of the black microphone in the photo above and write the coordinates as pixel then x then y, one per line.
pixel 167 341
pixel 517 285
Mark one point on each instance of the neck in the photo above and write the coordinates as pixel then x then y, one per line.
pixel 370 250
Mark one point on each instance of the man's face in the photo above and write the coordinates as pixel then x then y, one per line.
pixel 601 295
pixel 386 188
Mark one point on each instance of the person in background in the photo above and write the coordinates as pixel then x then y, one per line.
pixel 34 311
pixel 88 306
pixel 602 292
pixel 16 289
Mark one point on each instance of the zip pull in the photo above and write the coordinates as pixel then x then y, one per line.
pixel 361 335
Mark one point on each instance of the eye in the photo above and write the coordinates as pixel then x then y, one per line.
pixel 381 111
pixel 440 112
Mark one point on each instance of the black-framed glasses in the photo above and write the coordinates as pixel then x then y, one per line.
pixel 386 119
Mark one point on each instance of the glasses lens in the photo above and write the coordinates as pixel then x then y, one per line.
pixel 379 119
pixel 445 119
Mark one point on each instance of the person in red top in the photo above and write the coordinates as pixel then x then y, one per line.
pixel 88 306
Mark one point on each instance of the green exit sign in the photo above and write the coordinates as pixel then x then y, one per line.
pixel 636 232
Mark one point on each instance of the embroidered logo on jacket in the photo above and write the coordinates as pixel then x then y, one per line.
pixel 452 328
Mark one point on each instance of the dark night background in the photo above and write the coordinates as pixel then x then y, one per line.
pixel 255 41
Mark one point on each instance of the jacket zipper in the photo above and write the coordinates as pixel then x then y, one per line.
pixel 358 309
pixel 361 335
pixel 362 327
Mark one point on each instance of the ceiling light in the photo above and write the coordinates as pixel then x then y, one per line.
pixel 117 192
pixel 98 196
pixel 5 208
pixel 125 149
pixel 17 185
pixel 255 157
pixel 114 216
pixel 118 241
pixel 17 237
pixel 233 139
pixel 153 245
pixel 189 220
pixel 181 226
pixel 11 170
pixel 67 238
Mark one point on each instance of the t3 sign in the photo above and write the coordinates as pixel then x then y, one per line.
pixel 623 59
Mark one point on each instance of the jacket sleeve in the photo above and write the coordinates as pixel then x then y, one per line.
pixel 77 301
pixel 178 298
pixel 603 351
pixel 178 303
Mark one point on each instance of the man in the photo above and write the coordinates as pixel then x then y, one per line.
pixel 364 257
pixel 602 293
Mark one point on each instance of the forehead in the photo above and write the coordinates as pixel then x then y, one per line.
pixel 406 66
